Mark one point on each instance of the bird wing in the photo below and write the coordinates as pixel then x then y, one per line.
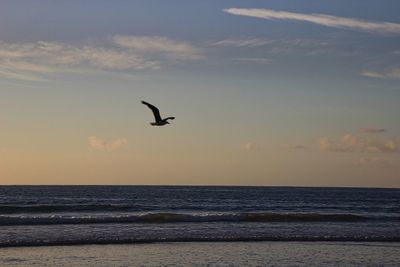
pixel 155 110
pixel 169 118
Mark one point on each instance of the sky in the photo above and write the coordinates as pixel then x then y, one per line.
pixel 265 92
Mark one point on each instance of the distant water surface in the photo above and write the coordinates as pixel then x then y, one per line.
pixel 73 215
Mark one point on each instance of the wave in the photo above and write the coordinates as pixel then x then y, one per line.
pixel 110 241
pixel 28 208
pixel 186 218
pixel 10 209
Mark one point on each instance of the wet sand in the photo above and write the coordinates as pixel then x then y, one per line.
pixel 208 254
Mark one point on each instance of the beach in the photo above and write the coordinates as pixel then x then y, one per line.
pixel 208 254
pixel 198 226
pixel 199 133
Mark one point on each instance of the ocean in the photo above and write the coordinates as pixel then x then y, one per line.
pixel 33 216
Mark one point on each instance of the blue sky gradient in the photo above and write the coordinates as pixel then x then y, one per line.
pixel 259 101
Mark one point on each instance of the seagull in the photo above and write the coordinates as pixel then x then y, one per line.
pixel 159 121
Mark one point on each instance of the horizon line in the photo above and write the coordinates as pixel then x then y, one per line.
pixel 205 185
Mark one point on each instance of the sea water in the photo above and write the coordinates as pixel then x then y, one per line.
pixel 77 215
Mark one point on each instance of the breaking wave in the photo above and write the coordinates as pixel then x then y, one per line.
pixel 184 218
pixel 110 240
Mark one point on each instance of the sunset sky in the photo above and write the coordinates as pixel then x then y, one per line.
pixel 265 92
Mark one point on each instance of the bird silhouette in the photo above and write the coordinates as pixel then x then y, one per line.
pixel 158 120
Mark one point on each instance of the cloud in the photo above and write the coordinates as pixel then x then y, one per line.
pixel 353 143
pixel 260 60
pixel 373 74
pixel 325 143
pixel 255 42
pixel 250 146
pixel 286 46
pixel 310 47
pixel 174 48
pixel 19 75
pixel 393 74
pixel 375 162
pixel 371 130
pixel 296 46
pixel 298 147
pixel 24 66
pixel 31 60
pixel 320 19
pixel 97 143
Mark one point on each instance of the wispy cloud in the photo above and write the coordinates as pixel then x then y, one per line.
pixel 174 48
pixel 259 60
pixel 353 143
pixel 298 147
pixel 320 19
pixel 393 73
pixel 309 47
pixel 17 75
pixel 375 162
pixel 97 143
pixel 296 46
pixel 250 42
pixel 24 66
pixel 32 60
pixel 371 130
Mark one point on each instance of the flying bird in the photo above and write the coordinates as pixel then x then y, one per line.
pixel 158 120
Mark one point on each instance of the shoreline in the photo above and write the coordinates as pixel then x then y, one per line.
pixel 74 243
pixel 208 254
